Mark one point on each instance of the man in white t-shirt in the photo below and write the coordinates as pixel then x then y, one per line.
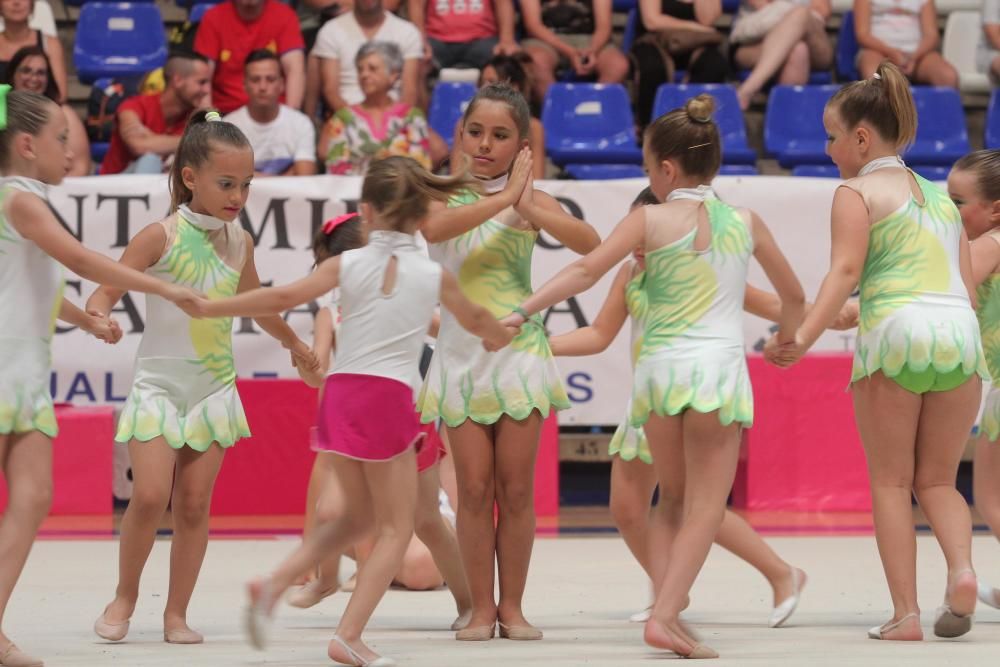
pixel 283 139
pixel 338 42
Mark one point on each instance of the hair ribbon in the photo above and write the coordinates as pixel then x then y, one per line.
pixel 333 223
pixel 213 116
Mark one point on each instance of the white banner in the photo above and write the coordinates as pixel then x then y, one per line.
pixel 105 212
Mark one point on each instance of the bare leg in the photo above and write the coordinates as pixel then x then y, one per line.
pixel 711 452
pixel 934 70
pixel 435 531
pixel 192 497
pixel 737 536
pixel 515 452
pixel 612 65
pixel 775 47
pixel 153 475
pixel 544 63
pixel 322 476
pixel 472 453
pixel 632 484
pixel 392 489
pixel 418 571
pixel 945 423
pixel 26 460
pixel 666 442
pixel 795 71
pixel 887 417
pixel 995 67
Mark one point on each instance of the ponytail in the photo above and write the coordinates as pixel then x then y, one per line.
pixel 884 101
pixel 204 129
pixel 401 191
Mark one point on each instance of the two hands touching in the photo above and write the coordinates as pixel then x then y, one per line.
pixel 786 353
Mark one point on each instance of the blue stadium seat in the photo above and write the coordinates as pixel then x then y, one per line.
pixel 80 3
pixel 931 172
pixel 604 172
pixel 448 103
pixel 730 6
pixel 817 78
pixel 992 135
pixel 847 49
pixel 727 114
pixel 589 123
pixel 793 124
pixel 738 170
pixel 113 39
pixel 942 136
pixel 624 5
pixel 631 27
pixel 817 171
pixel 198 11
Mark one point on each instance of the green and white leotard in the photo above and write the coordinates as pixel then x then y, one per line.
pixel 988 313
pixel 628 442
pixel 31 289
pixel 464 381
pixel 917 323
pixel 185 377
pixel 692 354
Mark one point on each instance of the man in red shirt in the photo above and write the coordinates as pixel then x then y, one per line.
pixel 149 127
pixel 231 30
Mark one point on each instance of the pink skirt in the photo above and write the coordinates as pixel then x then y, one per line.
pixel 366 417
pixel 430 449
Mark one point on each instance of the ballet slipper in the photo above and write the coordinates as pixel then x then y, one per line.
pixel 786 607
pixel 954 618
pixel 112 632
pixel 520 633
pixel 881 631
pixel 183 636
pixel 334 651
pixel 462 621
pixel 480 633
pixel 641 616
pixel 989 596
pixel 257 616
pixel 655 634
pixel 310 595
pixel 348 586
pixel 12 656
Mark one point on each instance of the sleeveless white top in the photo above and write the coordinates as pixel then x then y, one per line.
pixel 383 334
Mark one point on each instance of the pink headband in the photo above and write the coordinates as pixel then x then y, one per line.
pixel 333 223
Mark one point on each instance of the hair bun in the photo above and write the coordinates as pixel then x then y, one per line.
pixel 700 109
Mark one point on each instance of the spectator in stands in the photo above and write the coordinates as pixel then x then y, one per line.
pixel 379 126
pixel 337 47
pixel 676 35
pixel 41 19
pixel 988 51
pixel 29 70
pixel 782 37
pixel 512 70
pixel 149 127
pixel 464 33
pixel 18 34
pixel 283 139
pixel 905 32
pixel 571 34
pixel 231 30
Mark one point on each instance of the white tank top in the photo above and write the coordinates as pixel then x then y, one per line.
pixel 897 23
pixel 383 334
pixel 31 282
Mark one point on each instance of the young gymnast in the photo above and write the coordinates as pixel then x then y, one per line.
pixel 918 358
pixel 433 534
pixel 691 392
pixel 388 291
pixel 633 478
pixel 183 411
pixel 494 403
pixel 34 248
pixel 974 187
